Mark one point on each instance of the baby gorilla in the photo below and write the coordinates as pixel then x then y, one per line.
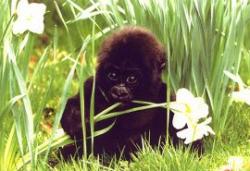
pixel 130 64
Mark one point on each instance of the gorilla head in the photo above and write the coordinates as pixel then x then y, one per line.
pixel 130 63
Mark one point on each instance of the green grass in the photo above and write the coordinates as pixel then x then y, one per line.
pixel 202 39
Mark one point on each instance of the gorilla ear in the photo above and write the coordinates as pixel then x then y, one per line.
pixel 163 66
pixel 163 61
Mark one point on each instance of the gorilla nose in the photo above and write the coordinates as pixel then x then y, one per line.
pixel 120 93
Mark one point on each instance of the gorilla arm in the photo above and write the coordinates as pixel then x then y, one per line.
pixel 71 118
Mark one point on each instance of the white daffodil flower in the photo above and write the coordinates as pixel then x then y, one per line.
pixel 187 109
pixel 30 16
pixel 236 163
pixel 196 132
pixel 243 95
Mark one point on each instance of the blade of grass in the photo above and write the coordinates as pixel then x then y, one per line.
pixel 63 102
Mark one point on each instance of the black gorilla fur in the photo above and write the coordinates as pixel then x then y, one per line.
pixel 131 49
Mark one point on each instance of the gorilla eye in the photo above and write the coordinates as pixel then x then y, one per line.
pixel 112 76
pixel 131 79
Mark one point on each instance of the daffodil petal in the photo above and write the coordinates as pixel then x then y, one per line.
pixel 207 121
pixel 19 27
pixel 36 27
pixel 197 132
pixel 186 134
pixel 38 8
pixel 177 107
pixel 236 162
pixel 200 108
pixel 22 6
pixel 242 96
pixel 183 95
pixel 190 135
pixel 179 120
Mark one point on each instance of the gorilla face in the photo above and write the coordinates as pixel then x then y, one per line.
pixel 123 81
pixel 130 64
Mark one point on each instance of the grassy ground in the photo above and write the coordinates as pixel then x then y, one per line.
pixel 234 142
